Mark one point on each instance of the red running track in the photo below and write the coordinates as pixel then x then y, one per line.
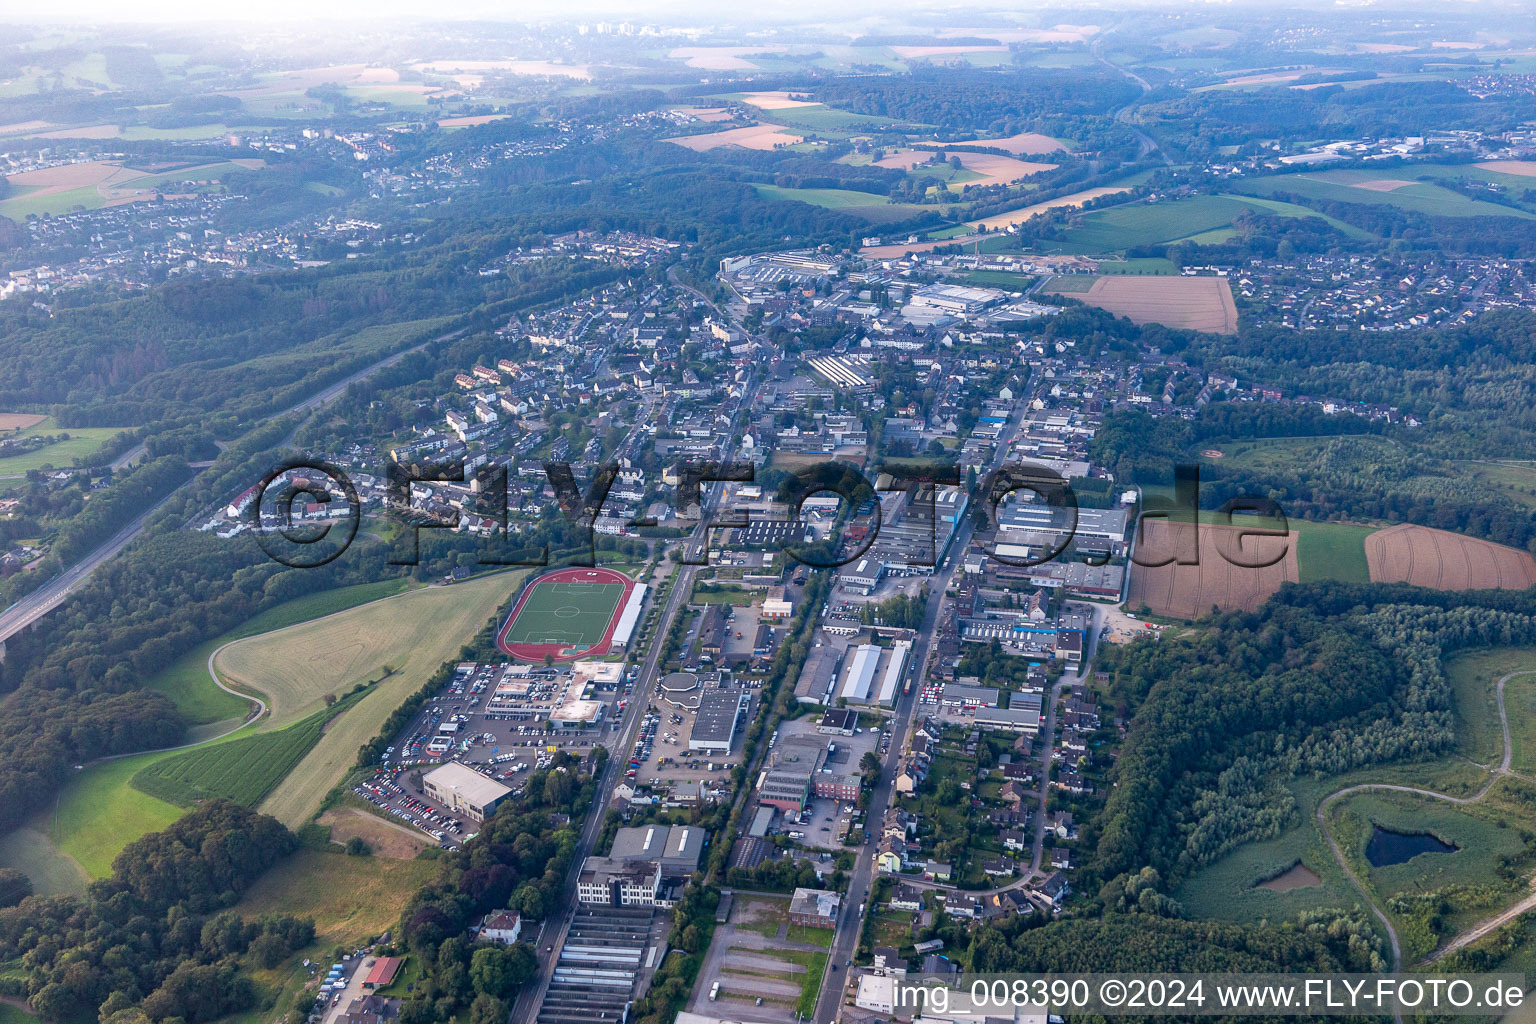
pixel 559 652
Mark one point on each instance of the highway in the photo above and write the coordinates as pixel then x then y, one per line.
pixel 40 602
pixel 50 595
pixel 531 998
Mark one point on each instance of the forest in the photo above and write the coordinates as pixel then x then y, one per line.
pixel 973 100
pixel 1322 679
pixel 155 941
pixel 1201 122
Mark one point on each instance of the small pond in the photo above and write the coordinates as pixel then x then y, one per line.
pixel 1297 876
pixel 1388 847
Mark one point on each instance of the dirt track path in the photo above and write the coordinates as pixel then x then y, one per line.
pixel 1495 773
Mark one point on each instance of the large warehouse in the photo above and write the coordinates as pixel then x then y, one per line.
pixel 464 790
pixel 718 717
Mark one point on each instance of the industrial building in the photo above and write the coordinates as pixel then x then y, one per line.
pixel 646 867
pixel 1030 524
pixel 717 719
pixel 814 908
pixel 803 767
pixel 464 791
pixel 873 674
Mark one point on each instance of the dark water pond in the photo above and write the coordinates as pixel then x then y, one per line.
pixel 1388 847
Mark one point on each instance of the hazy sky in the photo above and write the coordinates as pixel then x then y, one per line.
pixel 310 11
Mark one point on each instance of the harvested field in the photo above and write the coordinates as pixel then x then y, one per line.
pixel 469 122
pixel 1195 303
pixel 708 113
pixel 1271 77
pixel 994 169
pixel 1383 184
pixel 1000 221
pixel 1026 143
pixel 89 131
pixel 1189 591
pixel 716 58
pixel 49 180
pixel 999 170
pixel 1524 168
pixel 762 136
pixel 776 100
pixel 308 78
pixel 904 160
pixel 1057 34
pixel 20 420
pixel 1443 560
pixel 384 838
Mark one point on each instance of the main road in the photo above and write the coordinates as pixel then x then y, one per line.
pixel 531 998
pixel 46 598
pixel 855 905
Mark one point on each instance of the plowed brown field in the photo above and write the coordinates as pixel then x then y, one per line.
pixel 1189 591
pixel 1445 561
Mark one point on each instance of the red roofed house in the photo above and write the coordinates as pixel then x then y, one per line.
pixel 383 972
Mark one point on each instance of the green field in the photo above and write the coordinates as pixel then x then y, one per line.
pixel 1069 283
pixel 32 853
pixel 1473 676
pixel 1517 480
pixel 873 208
pixel 82 442
pixel 10 1014
pixel 1418 197
pixel 413 633
pixel 575 614
pixel 1202 219
pixel 211 172
pixel 1331 551
pixel 294 667
pixel 30 203
pixel 244 770
pixel 1154 265
pixel 1520 706
pixel 1229 888
pixel 1480 845
pixel 100 812
pixel 186 679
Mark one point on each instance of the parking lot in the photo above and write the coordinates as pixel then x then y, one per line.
pixel 506 735
pixel 667 761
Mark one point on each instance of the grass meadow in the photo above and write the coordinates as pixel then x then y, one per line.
pixel 82 442
pixel 1415 196
pixel 243 770
pixel 350 898
pixel 186 679
pixel 100 810
pixel 414 633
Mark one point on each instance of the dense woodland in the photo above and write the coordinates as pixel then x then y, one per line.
pixel 154 941
pixel 1321 680
pixel 519 859
pixel 1199 123
pixel 979 101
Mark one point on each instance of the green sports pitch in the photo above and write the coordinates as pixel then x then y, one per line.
pixel 567 614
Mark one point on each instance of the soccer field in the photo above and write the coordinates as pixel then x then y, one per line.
pixel 572 614
pixel 569 613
